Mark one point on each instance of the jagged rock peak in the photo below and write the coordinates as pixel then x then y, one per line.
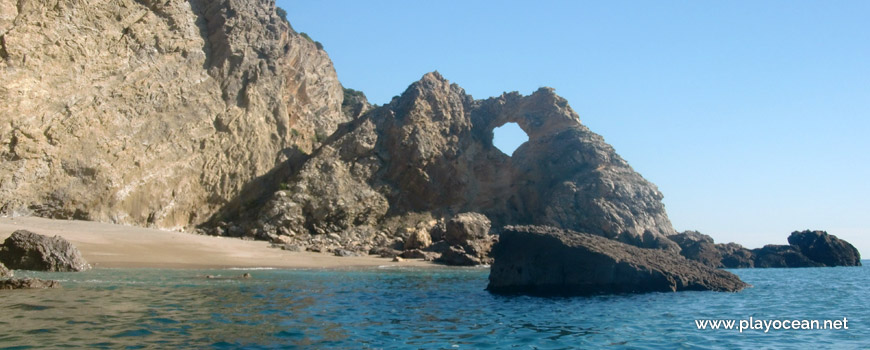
pixel 430 152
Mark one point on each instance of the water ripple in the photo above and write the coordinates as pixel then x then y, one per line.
pixel 415 308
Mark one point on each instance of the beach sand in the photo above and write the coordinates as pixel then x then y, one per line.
pixel 117 246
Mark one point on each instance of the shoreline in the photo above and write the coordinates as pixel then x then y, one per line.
pixel 106 245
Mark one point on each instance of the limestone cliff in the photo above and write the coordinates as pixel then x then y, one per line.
pixel 428 154
pixel 152 112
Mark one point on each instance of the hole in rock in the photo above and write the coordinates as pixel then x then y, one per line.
pixel 507 138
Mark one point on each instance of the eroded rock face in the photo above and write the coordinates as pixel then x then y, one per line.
pixel 826 249
pixel 25 250
pixel 540 260
pixel 28 283
pixel 430 152
pixel 153 113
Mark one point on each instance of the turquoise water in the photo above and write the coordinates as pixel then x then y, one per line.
pixel 396 308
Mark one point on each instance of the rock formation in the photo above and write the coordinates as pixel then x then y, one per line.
pixel 466 241
pixel 428 155
pixel 806 249
pixel 28 283
pixel 825 249
pixel 5 272
pixel 153 113
pixel 539 260
pixel 773 255
pixel 25 250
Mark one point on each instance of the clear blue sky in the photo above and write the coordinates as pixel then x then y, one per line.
pixel 752 117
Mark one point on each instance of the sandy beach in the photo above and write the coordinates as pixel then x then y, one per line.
pixel 117 246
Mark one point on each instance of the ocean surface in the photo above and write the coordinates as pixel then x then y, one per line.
pixel 405 308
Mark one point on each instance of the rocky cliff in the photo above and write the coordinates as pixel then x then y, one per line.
pixel 428 155
pixel 153 113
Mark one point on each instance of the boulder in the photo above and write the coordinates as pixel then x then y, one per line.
pixel 25 250
pixel 28 283
pixel 385 252
pixel 5 272
pixel 418 239
pixel 773 255
pixel 438 247
pixel 825 249
pixel 346 253
pixel 541 260
pixel 466 227
pixel 457 256
pixel 419 254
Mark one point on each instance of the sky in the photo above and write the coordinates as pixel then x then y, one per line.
pixel 752 117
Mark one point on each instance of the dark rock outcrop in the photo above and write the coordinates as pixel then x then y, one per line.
pixel 5 272
pixel 25 250
pixel 540 260
pixel 699 247
pixel 773 255
pixel 28 283
pixel 825 249
pixel 806 249
pixel 735 256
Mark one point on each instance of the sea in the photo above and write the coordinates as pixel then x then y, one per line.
pixel 420 308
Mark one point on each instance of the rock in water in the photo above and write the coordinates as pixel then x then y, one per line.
pixel 5 272
pixel 160 112
pixel 25 250
pixel 28 283
pixel 539 260
pixel 773 255
pixel 825 249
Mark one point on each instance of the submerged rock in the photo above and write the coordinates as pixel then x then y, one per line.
pixel 540 260
pixel 25 250
pixel 28 283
